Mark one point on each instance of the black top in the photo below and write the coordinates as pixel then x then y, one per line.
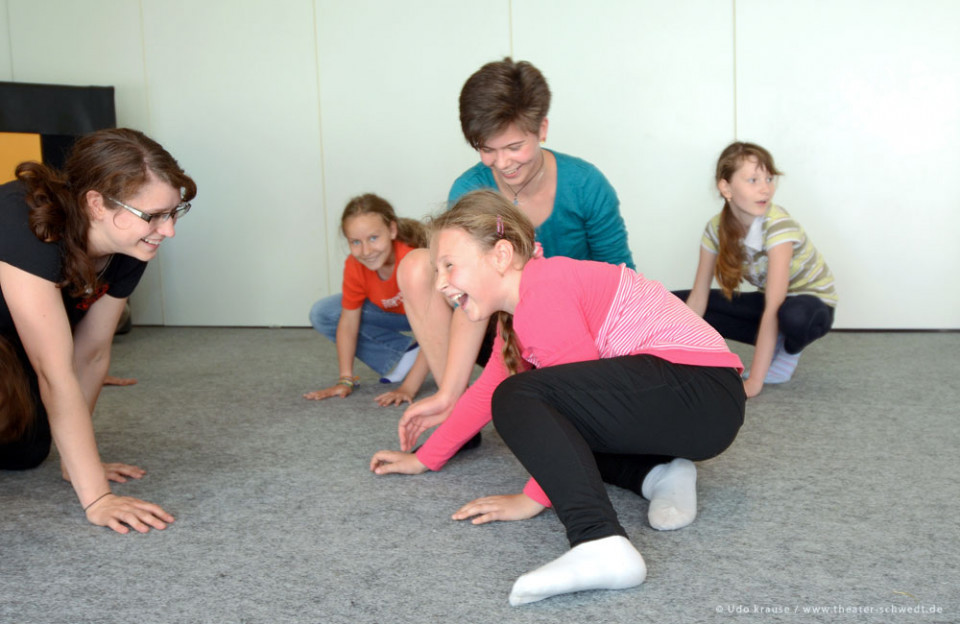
pixel 20 247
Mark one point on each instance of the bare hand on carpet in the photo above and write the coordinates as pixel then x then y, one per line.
pixel 338 390
pixel 121 513
pixel 505 507
pixel 396 462
pixel 110 380
pixel 394 397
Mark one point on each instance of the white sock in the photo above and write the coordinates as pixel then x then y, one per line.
pixel 672 492
pixel 403 366
pixel 782 365
pixel 606 563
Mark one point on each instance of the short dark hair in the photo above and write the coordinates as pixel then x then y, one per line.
pixel 501 93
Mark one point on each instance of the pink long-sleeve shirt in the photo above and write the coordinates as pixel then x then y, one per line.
pixel 577 311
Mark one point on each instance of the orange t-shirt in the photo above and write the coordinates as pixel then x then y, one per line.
pixel 360 283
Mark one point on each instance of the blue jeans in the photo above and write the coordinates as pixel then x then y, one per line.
pixel 380 341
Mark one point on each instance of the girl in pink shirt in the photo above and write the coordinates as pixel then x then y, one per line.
pixel 630 385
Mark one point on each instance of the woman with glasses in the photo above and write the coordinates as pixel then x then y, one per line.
pixel 73 246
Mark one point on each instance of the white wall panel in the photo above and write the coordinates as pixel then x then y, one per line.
pixel 643 90
pixel 859 101
pixel 284 110
pixel 233 92
pixel 94 42
pixel 391 74
pixel 6 63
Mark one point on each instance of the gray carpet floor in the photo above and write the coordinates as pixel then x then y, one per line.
pixel 840 495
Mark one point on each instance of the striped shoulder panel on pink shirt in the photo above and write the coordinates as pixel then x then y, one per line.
pixel 645 317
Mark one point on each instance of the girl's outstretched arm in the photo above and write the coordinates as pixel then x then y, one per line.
pixel 775 292
pixel 348 328
pixel 700 293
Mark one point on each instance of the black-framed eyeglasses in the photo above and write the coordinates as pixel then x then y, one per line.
pixel 174 214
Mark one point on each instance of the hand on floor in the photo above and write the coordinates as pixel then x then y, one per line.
pixel 110 380
pixel 339 390
pixel 396 462
pixel 115 472
pixel 752 387
pixel 394 397
pixel 121 513
pixel 504 507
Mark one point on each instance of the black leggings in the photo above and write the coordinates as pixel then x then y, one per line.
pixel 576 426
pixel 801 318
pixel 33 446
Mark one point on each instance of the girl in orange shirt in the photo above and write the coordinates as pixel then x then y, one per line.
pixel 368 320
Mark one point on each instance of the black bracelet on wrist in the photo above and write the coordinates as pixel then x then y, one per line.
pixel 95 501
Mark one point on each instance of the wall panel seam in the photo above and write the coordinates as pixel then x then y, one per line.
pixel 323 164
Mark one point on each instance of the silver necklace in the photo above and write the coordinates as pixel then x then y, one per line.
pixel 536 174
pixel 106 265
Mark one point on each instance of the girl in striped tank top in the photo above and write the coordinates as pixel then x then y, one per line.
pixel 630 385
pixel 747 241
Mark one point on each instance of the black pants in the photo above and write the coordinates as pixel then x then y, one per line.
pixel 33 446
pixel 801 318
pixel 576 426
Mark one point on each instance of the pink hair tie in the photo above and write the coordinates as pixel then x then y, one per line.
pixel 537 250
pixel 500 226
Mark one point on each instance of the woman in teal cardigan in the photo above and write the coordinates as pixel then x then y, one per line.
pixel 575 210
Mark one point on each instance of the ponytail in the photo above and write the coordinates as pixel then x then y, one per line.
pixel 55 217
pixel 512 358
pixel 411 232
pixel 730 256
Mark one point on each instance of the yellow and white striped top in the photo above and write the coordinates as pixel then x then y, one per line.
pixel 809 273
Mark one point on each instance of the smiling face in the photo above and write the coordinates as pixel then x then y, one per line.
pixel 371 240
pixel 114 229
pixel 466 274
pixel 514 154
pixel 749 191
